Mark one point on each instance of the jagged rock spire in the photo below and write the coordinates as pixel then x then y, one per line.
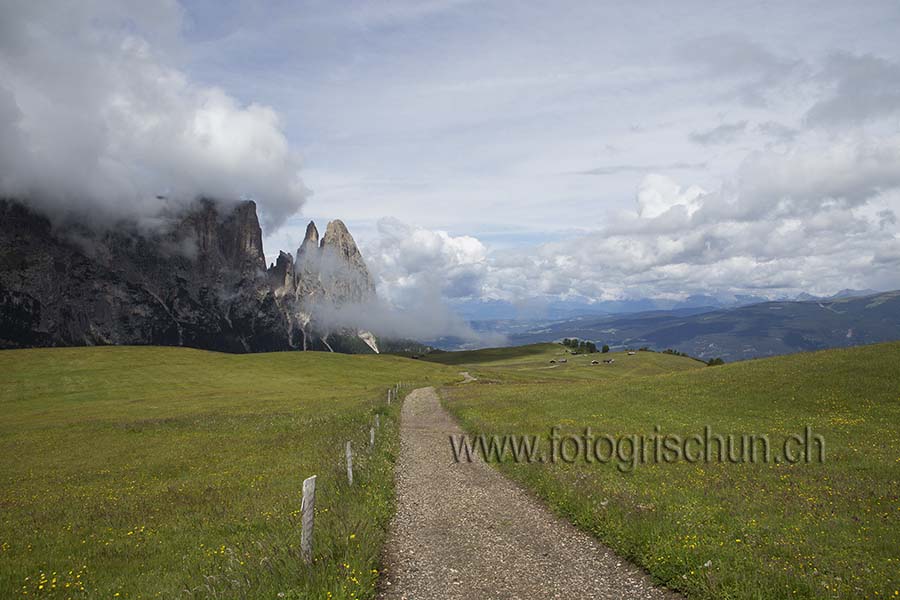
pixel 241 236
pixel 338 237
pixel 310 240
pixel 282 272
pixel 345 275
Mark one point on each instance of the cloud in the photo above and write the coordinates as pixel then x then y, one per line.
pixel 818 218
pixel 416 270
pixel 725 133
pixel 418 110
pixel 94 119
pixel 406 260
pixel 753 69
pixel 658 194
pixel 616 169
pixel 779 132
pixel 847 171
pixel 862 88
pixel 425 317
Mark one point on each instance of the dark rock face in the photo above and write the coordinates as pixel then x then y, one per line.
pixel 199 281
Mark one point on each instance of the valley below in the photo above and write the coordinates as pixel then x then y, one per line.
pixel 732 333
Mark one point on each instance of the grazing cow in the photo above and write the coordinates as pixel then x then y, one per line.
pixel 552 361
pixel 595 362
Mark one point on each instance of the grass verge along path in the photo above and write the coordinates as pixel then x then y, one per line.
pixel 168 472
pixel 760 531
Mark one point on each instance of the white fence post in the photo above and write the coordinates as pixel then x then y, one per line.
pixel 307 516
pixel 378 421
pixel 371 437
pixel 349 453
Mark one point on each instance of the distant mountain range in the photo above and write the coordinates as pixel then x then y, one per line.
pixel 761 329
pixel 848 293
pixel 556 310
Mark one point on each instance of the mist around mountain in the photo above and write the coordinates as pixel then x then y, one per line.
pixel 194 277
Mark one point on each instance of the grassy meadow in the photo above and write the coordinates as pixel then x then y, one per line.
pixel 168 472
pixel 714 530
pixel 161 472
pixel 531 364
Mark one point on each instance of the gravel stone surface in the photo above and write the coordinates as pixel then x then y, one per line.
pixel 463 530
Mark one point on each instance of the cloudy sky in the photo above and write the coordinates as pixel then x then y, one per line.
pixel 509 151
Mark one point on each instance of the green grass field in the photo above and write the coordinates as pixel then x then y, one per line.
pixel 163 472
pixel 531 364
pixel 168 472
pixel 715 530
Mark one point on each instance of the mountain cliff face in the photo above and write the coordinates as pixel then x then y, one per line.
pixel 200 280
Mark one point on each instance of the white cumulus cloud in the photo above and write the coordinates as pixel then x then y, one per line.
pixel 406 260
pixel 94 118
pixel 658 194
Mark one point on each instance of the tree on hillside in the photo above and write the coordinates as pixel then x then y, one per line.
pixel 605 348
pixel 715 362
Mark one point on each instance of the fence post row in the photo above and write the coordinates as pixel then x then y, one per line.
pixel 308 504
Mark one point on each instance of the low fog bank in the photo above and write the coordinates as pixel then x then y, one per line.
pixel 426 319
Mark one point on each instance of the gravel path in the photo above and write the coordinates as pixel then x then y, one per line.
pixel 465 531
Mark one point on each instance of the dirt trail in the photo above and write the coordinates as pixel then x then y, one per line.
pixel 467 377
pixel 465 531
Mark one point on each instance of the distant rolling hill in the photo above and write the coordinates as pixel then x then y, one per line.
pixel 764 329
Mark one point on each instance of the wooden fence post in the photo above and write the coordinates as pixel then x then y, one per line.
pixel 307 516
pixel 349 453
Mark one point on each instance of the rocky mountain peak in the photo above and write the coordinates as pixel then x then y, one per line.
pixel 310 240
pixel 199 280
pixel 343 271
pixel 338 237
